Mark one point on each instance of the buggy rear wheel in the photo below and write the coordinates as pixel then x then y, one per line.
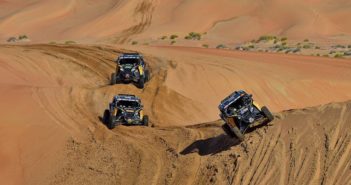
pixel 267 114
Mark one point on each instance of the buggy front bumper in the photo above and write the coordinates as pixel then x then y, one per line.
pixel 132 122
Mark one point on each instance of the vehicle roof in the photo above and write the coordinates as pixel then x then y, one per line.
pixel 130 56
pixel 230 99
pixel 126 97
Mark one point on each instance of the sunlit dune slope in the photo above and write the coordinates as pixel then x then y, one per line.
pixel 222 20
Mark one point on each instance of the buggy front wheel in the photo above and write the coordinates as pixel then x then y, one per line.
pixel 226 129
pixel 267 114
pixel 147 75
pixel 106 116
pixel 111 122
pixel 233 132
pixel 113 79
pixel 141 83
pixel 146 120
pixel 238 133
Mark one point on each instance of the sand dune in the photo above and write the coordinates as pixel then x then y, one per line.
pixel 224 21
pixel 53 95
pixel 310 146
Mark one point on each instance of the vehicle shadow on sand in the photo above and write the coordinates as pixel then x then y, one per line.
pixel 211 146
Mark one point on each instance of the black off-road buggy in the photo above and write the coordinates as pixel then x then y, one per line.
pixel 125 110
pixel 131 68
pixel 240 112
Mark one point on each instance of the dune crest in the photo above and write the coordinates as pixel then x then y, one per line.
pixel 123 21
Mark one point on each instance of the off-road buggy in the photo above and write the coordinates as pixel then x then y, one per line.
pixel 125 110
pixel 240 112
pixel 131 68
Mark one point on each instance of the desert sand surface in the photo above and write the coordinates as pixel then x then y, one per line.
pixel 56 58
pixel 53 97
pixel 221 21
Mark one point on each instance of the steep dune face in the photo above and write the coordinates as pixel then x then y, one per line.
pixel 223 20
pixel 54 93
